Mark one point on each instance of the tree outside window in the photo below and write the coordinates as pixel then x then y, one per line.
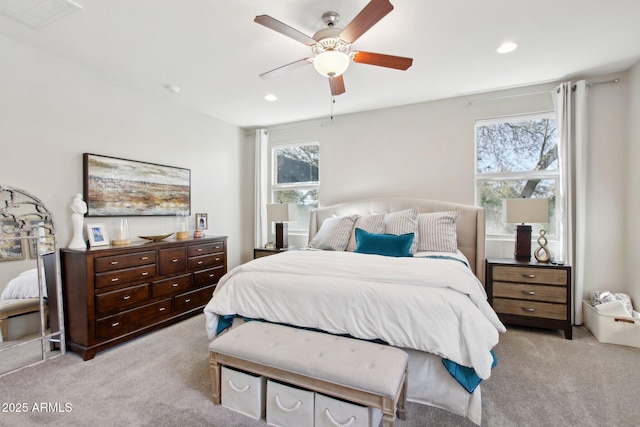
pixel 296 179
pixel 516 157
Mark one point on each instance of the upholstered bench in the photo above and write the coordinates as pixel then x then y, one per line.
pixel 15 307
pixel 361 372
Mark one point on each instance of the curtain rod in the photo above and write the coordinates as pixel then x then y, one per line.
pixel 470 102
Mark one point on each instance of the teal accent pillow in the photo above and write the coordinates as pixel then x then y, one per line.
pixel 383 244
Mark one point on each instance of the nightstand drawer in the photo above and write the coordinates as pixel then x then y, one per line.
pixel 530 292
pixel 546 276
pixel 530 308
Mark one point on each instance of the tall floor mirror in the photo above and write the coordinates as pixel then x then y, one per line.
pixel 30 328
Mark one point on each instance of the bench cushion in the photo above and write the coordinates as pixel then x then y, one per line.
pixel 349 362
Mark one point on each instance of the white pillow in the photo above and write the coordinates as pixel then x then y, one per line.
pixel 437 231
pixel 25 285
pixel 334 233
pixel 370 223
pixel 403 222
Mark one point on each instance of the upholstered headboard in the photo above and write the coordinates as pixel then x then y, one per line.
pixel 470 226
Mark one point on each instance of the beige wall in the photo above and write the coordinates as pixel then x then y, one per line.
pixel 631 239
pixel 427 150
pixel 52 111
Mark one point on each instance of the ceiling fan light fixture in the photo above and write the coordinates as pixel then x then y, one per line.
pixel 331 63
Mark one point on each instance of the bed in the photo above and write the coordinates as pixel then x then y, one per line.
pixel 404 271
pixel 20 306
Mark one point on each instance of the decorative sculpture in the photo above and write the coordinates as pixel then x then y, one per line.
pixel 542 254
pixel 79 208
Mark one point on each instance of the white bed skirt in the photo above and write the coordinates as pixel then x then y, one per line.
pixel 431 384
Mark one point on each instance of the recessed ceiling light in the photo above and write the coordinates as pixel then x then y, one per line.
pixel 270 97
pixel 172 88
pixel 507 47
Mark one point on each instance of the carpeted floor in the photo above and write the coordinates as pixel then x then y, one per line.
pixel 162 379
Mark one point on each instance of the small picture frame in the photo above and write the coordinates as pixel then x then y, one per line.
pixel 201 221
pixel 97 234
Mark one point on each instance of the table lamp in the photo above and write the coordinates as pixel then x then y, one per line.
pixel 521 211
pixel 280 213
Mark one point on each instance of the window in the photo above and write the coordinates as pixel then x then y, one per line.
pixel 295 170
pixel 517 157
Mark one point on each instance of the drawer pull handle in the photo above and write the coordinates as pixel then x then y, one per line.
pixel 238 389
pixel 187 300
pixel 284 408
pixel 336 423
pixel 530 310
pixel 145 273
pixel 126 297
pixel 115 279
pixel 144 258
pixel 528 292
pixel 162 309
pixel 174 260
pixel 200 262
pixel 212 275
pixel 199 249
pixel 114 262
pixel 217 259
pixel 113 325
pixel 529 276
pixel 175 285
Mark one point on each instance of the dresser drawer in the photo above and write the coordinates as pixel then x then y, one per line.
pixel 530 308
pixel 115 301
pixel 118 262
pixel 193 299
pixel 119 277
pixel 172 261
pixel 555 294
pixel 530 275
pixel 207 248
pixel 171 286
pixel 205 261
pixel 133 319
pixel 208 277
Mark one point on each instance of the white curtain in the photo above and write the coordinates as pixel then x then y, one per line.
pixel 260 189
pixel 571 118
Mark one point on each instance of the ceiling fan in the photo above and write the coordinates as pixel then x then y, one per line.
pixel 332 46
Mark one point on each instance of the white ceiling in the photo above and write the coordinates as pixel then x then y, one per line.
pixel 214 51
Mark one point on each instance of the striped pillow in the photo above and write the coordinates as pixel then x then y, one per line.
pixel 334 233
pixel 437 231
pixel 371 223
pixel 403 222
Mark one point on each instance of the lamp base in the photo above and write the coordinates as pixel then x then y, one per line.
pixel 282 235
pixel 523 243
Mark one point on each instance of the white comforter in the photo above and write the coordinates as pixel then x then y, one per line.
pixel 432 305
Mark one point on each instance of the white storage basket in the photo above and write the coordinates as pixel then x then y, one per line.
pixel 623 330
pixel 243 392
pixel 289 406
pixel 330 412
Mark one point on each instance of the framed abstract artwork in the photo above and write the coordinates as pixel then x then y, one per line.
pixel 120 187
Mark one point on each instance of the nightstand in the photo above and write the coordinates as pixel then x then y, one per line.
pixel 260 252
pixel 530 293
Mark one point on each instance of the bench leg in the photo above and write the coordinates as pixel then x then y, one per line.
pixel 215 378
pixel 402 401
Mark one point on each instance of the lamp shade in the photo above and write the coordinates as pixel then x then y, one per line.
pixel 281 212
pixel 526 210
pixel 331 63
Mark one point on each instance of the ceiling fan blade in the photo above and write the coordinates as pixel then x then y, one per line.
pixel 337 85
pixel 292 66
pixel 284 29
pixel 367 18
pixel 389 61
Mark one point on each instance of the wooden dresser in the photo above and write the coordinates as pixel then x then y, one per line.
pixel 530 293
pixel 115 293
